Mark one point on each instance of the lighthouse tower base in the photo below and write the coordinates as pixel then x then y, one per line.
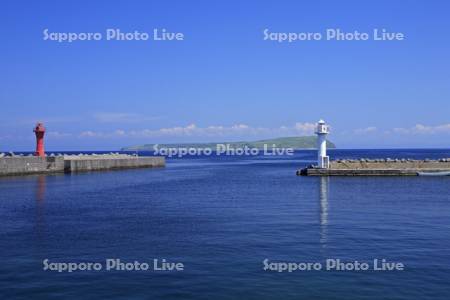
pixel 324 162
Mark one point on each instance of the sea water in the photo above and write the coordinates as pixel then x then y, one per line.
pixel 227 227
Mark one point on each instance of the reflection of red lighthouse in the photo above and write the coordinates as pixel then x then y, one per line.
pixel 39 130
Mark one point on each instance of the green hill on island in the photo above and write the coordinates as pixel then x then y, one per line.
pixel 298 142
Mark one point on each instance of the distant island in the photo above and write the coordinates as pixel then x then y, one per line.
pixel 297 142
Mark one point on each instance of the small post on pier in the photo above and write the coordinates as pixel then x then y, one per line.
pixel 322 129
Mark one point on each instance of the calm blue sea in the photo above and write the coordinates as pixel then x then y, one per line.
pixel 222 217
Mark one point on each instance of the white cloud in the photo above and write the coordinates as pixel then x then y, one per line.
pixel 90 134
pixel 192 130
pixel 240 130
pixel 424 129
pixel 226 131
pixel 57 134
pixel 120 132
pixel 305 128
pixel 370 129
pixel 108 117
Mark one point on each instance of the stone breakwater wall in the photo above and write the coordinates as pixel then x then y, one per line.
pixel 378 167
pixel 24 165
pixel 30 165
pixel 390 164
pixel 76 164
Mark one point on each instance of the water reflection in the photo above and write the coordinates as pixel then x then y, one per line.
pixel 41 186
pixel 323 198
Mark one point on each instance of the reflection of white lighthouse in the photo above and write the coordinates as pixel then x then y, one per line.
pixel 323 197
pixel 322 130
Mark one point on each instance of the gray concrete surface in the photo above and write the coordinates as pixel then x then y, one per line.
pixel 19 165
pixel 95 164
pixel 24 165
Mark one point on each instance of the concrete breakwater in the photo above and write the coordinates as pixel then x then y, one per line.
pixel 378 167
pixel 24 165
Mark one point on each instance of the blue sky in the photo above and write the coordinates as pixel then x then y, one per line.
pixel 224 82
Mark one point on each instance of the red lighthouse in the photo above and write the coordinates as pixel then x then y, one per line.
pixel 39 131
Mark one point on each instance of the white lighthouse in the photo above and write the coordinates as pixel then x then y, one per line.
pixel 322 130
